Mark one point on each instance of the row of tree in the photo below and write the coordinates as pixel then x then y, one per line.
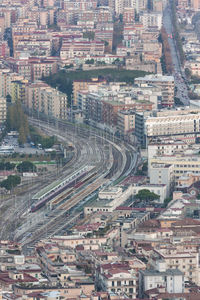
pixel 176 33
pixel 6 166
pixel 17 120
pixel 166 61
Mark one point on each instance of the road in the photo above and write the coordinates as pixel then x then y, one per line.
pixel 179 75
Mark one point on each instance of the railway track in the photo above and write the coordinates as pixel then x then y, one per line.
pixel 87 143
pixel 63 208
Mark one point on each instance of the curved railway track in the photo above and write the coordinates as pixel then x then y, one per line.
pixel 91 146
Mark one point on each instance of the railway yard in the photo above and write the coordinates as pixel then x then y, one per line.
pixel 52 205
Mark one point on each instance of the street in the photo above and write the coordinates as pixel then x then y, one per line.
pixel 179 75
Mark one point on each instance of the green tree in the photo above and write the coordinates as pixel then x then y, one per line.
pixel 26 166
pixel 6 166
pixel 89 61
pixel 166 201
pixel 89 35
pixel 187 72
pixel 22 136
pixel 17 120
pixel 146 195
pixel 11 182
pixel 8 99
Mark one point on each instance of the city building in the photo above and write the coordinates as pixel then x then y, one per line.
pixel 3 110
pixel 171 280
pixel 166 83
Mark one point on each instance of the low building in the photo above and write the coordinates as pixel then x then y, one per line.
pixel 108 200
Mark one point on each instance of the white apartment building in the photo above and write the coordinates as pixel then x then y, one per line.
pixel 162 174
pixel 182 164
pixel 172 280
pixel 166 147
pixel 184 258
pixel 172 125
pixel 180 124
pixel 138 5
pixel 119 281
pixel 149 19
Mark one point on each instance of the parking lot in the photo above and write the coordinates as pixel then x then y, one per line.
pixel 25 149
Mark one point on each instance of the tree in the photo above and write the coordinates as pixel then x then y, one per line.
pixel 187 72
pixel 11 182
pixel 166 201
pixel 22 136
pixel 26 166
pixel 89 61
pixel 7 166
pixel 146 195
pixel 89 35
pixel 8 99
pixel 17 120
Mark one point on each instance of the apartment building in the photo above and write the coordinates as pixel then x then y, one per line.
pixel 121 280
pixel 171 280
pixel 194 67
pixel 150 19
pixel 53 103
pixel 181 257
pixel 182 164
pixel 43 68
pixel 104 103
pixel 32 95
pixel 166 83
pixel 126 121
pixel 162 174
pixel 6 79
pixel 72 49
pixel 3 110
pixel 80 85
pixel 80 4
pixel 42 98
pixel 18 90
pixel 182 124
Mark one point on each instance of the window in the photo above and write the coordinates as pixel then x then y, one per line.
pixel 113 283
pixel 118 283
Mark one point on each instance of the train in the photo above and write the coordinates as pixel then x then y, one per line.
pixel 67 193
pixel 53 190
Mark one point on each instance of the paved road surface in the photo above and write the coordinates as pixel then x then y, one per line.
pixel 178 73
